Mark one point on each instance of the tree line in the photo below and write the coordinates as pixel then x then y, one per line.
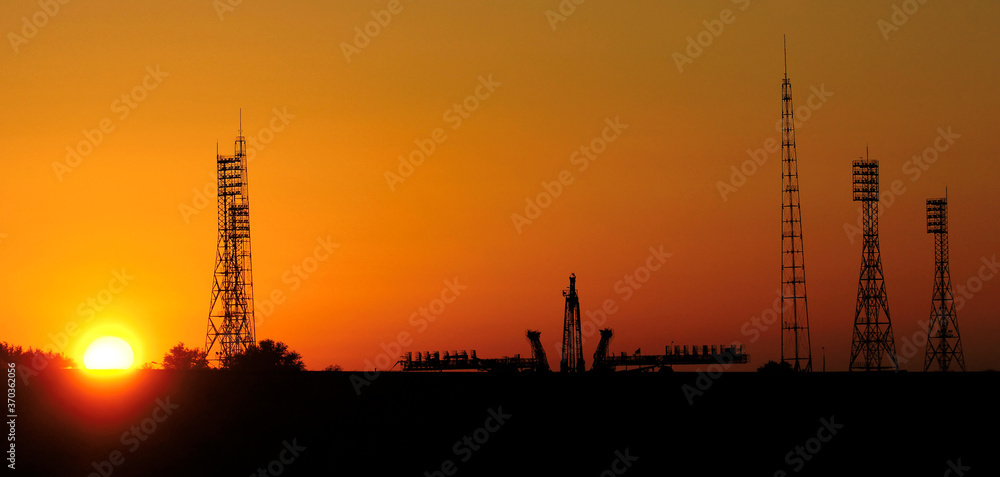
pixel 267 355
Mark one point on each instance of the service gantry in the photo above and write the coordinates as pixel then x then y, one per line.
pixel 230 317
pixel 572 345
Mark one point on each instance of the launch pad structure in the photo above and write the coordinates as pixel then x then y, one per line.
pixel 230 317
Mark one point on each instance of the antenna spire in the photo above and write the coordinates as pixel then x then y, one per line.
pixel 241 121
pixel 784 46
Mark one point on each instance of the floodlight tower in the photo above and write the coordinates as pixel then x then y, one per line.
pixel 795 346
pixel 572 346
pixel 230 317
pixel 944 344
pixel 872 346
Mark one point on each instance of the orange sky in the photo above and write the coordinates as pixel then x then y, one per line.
pixel 126 204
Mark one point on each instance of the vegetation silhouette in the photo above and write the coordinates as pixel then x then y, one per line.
pixel 26 356
pixel 268 355
pixel 775 367
pixel 182 357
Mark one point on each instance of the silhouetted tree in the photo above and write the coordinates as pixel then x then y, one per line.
pixel 182 357
pixel 11 354
pixel 268 355
pixel 775 367
pixel 33 356
pixel 333 367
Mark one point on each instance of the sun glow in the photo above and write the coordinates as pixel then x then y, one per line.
pixel 108 352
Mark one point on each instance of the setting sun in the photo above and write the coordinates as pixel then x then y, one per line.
pixel 401 237
pixel 109 352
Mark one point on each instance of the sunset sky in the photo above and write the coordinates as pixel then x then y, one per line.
pixel 114 110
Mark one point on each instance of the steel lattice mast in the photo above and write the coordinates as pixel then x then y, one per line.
pixel 944 344
pixel 872 346
pixel 796 348
pixel 230 317
pixel 572 346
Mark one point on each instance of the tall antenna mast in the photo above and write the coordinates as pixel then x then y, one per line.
pixel 796 348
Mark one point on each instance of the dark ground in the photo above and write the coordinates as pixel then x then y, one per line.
pixel 71 423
